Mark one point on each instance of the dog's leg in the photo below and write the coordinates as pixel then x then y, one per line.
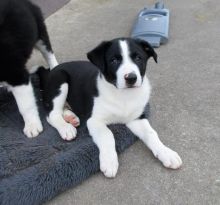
pixel 105 141
pixel 24 96
pixel 148 135
pixel 43 43
pixel 47 53
pixel 55 117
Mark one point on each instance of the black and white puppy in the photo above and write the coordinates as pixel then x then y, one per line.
pixel 113 88
pixel 21 29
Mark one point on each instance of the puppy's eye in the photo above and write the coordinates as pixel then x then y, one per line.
pixel 137 58
pixel 115 61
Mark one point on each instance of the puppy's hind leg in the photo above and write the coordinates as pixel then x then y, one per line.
pixel 55 116
pixel 69 116
pixel 43 44
pixel 45 49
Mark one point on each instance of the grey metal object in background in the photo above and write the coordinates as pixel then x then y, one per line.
pixel 152 25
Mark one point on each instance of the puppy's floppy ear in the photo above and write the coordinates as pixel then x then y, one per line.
pixel 147 48
pixel 97 55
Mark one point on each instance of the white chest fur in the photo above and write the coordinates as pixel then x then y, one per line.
pixel 120 105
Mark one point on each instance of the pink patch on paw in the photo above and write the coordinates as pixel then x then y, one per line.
pixel 72 120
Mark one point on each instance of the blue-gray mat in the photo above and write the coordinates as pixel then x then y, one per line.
pixel 33 171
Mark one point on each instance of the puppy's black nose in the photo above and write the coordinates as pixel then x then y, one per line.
pixel 131 78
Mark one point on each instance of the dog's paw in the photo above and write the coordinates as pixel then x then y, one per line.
pixel 169 158
pixel 67 132
pixel 109 164
pixel 33 128
pixel 71 118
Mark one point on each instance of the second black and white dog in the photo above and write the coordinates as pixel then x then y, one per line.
pixel 22 28
pixel 113 88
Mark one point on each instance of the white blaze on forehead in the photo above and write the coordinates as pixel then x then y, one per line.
pixel 127 66
pixel 125 52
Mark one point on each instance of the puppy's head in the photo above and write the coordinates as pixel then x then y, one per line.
pixel 122 61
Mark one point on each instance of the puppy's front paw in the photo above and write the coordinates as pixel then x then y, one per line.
pixel 169 158
pixel 109 164
pixel 33 128
pixel 67 132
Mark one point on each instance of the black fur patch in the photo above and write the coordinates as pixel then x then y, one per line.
pixel 21 26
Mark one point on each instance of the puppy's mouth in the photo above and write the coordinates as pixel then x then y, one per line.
pixel 132 86
pixel 129 87
pixel 135 85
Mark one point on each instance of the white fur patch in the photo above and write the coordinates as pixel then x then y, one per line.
pixel 120 105
pixel 55 118
pixel 25 99
pixel 126 67
pixel 49 56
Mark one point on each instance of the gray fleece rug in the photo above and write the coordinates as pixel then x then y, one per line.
pixel 33 171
